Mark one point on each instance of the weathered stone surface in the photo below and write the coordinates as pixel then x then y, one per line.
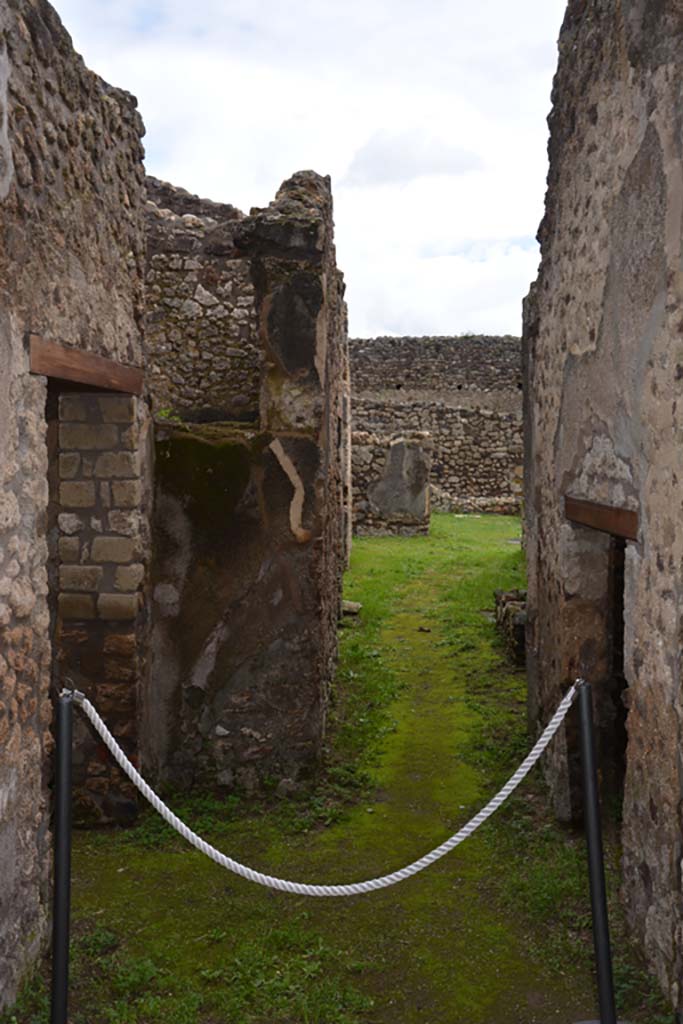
pixel 129 577
pixel 76 606
pixel 69 549
pixel 118 606
pixel 249 529
pixel 69 465
pixel 126 493
pixel 112 549
pixel 201 324
pixel 391 483
pixel 80 577
pixel 116 464
pixel 465 393
pixel 604 358
pixel 77 494
pixel 71 253
pixel 86 437
pixel 117 408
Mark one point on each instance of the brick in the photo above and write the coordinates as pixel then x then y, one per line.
pixel 70 523
pixel 126 493
pixel 119 671
pixel 122 644
pixel 88 467
pixel 80 577
pixel 77 494
pixel 129 523
pixel 117 606
pixel 122 464
pixel 117 408
pixel 88 436
pixel 73 407
pixel 129 577
pixel 69 549
pixel 112 549
pixel 130 438
pixel 69 465
pixel 76 606
pixel 105 494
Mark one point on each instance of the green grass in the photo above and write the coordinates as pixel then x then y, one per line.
pixel 427 720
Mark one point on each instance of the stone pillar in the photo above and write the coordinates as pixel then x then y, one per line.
pixel 102 539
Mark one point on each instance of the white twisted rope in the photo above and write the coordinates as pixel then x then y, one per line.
pixel 300 888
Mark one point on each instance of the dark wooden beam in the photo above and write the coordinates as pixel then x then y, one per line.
pixel 51 359
pixel 620 522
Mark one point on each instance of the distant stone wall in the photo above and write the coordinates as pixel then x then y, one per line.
pixel 391 484
pixel 249 517
pixel 471 365
pixel 201 334
pixel 71 270
pixel 466 393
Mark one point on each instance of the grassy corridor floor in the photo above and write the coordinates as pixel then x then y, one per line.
pixel 428 719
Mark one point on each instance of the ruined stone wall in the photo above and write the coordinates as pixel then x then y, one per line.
pixel 248 536
pixel 466 393
pixel 391 484
pixel 604 373
pixel 202 339
pixel 71 269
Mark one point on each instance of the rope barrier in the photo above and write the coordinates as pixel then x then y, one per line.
pixel 301 888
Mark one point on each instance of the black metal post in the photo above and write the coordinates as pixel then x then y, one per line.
pixel 61 906
pixel 596 864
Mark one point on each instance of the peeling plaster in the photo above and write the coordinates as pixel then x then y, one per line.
pixel 296 507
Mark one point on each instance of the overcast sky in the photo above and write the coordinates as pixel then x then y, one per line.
pixel 430 116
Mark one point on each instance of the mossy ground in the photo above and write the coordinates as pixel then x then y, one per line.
pixel 428 719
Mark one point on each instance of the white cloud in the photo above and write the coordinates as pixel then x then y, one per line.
pixel 388 158
pixel 430 118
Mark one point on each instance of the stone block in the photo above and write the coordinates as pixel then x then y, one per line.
pixel 122 644
pixel 105 494
pixel 130 438
pixel 129 577
pixel 117 606
pixel 117 408
pixel 121 464
pixel 80 577
pixel 112 549
pixel 69 549
pixel 76 606
pixel 129 523
pixel 73 408
pixel 77 494
pixel 126 493
pixel 69 465
pixel 70 523
pixel 88 436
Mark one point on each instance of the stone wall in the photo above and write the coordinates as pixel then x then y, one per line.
pixel 249 517
pixel 202 332
pixel 604 368
pixel 391 484
pixel 466 393
pixel 71 269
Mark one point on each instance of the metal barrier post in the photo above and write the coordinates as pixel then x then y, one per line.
pixel 62 862
pixel 596 864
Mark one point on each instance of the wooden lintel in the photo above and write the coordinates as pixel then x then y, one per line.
pixel 620 522
pixel 51 359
